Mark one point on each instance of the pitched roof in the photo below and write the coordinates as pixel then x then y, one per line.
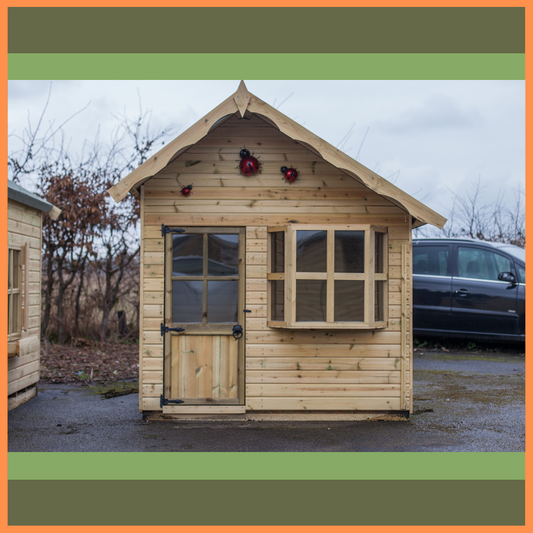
pixel 243 102
pixel 23 196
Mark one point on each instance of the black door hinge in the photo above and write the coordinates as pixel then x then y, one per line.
pixel 166 329
pixel 164 401
pixel 247 310
pixel 166 229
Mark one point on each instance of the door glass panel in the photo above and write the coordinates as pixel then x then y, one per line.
pixel 187 255
pixel 277 251
pixel 481 264
pixel 187 301
pixel 223 254
pixel 222 301
pixel 311 251
pixel 310 300
pixel 349 301
pixel 350 251
pixel 277 300
pixel 430 260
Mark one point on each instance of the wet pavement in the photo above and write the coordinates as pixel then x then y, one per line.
pixel 461 403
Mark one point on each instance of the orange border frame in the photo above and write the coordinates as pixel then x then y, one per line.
pixel 528 4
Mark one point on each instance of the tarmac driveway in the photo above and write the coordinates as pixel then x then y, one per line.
pixel 462 403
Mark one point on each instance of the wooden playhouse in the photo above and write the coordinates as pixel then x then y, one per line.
pixel 276 290
pixel 24 215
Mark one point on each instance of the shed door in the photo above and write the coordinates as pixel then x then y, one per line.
pixel 205 296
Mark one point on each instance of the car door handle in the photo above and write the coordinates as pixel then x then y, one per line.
pixel 462 292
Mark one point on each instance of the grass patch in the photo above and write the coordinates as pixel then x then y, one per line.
pixel 112 390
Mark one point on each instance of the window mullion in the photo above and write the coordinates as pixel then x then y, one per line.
pixel 204 286
pixel 369 277
pixel 290 276
pixel 330 285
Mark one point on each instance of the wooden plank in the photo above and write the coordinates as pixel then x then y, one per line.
pixel 152 377
pixel 271 208
pixel 21 228
pixel 21 397
pixel 322 404
pixel 256 298
pixel 29 345
pixel 256 271
pixel 256 324
pixel 22 370
pixel 323 363
pixel 323 350
pixel 257 311
pixel 322 376
pixel 150 404
pixel 323 337
pixel 305 168
pixel 284 193
pixel 22 383
pixel 254 232
pixel 256 284
pixel 230 219
pixel 153 284
pixel 256 258
pixel 322 389
pixel 153 350
pixel 152 363
pixel 204 409
pixel 152 390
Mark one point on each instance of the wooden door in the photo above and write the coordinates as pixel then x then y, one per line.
pixel 204 286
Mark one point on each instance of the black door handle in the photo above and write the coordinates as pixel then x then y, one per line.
pixel 462 292
pixel 237 331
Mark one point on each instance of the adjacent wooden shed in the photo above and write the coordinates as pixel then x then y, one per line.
pixel 24 213
pixel 317 272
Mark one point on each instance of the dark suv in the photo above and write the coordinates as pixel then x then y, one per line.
pixel 467 288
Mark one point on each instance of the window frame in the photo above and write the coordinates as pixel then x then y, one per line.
pixel 204 327
pixel 14 334
pixel 290 276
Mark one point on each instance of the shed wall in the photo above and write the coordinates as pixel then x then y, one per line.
pixel 285 369
pixel 25 226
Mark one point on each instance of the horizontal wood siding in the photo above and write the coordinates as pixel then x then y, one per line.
pixel 285 369
pixel 24 227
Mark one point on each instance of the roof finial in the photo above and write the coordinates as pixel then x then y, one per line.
pixel 242 98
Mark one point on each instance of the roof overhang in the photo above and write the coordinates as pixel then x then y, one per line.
pixel 20 194
pixel 245 103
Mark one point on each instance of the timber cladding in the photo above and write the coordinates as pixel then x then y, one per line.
pixel 283 369
pixel 24 300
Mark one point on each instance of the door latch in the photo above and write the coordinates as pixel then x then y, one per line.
pixel 237 332
pixel 166 329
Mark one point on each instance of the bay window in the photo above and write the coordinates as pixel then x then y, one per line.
pixel 327 277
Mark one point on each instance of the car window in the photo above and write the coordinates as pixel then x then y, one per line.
pixel 521 273
pixel 477 263
pixel 430 260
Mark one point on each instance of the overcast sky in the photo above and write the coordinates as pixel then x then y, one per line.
pixel 432 138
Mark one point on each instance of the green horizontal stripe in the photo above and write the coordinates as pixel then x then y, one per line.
pixel 266 66
pixel 266 503
pixel 267 29
pixel 266 466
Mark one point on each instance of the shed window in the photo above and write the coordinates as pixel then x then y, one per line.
pixel 334 276
pixel 17 283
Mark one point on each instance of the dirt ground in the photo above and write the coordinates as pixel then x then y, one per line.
pixel 89 364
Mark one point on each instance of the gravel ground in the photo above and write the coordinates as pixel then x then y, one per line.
pixel 462 402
